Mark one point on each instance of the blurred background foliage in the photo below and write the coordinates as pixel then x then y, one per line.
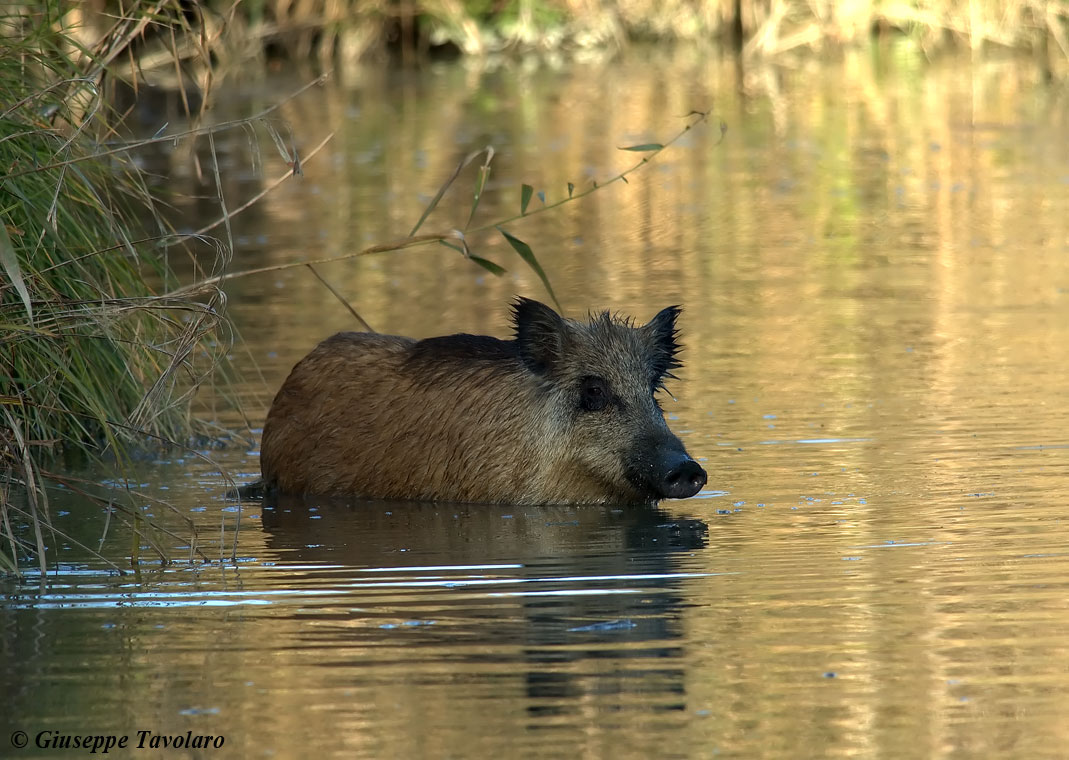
pixel 349 30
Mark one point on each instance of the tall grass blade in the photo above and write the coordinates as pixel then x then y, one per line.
pixel 289 155
pixel 9 260
pixel 341 298
pixel 280 144
pixel 10 563
pixel 31 483
pixel 442 190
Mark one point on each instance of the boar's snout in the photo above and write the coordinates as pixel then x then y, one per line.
pixel 683 479
pixel 668 472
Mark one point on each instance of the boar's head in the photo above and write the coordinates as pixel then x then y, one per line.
pixel 598 382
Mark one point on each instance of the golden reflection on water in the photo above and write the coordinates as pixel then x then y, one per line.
pixel 874 266
pixel 875 260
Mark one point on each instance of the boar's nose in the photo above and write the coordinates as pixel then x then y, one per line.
pixel 683 480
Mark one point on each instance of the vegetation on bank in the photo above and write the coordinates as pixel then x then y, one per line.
pixel 92 357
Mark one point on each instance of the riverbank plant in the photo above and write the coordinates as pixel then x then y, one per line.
pixel 94 357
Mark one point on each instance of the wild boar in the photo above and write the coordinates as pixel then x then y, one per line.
pixel 564 413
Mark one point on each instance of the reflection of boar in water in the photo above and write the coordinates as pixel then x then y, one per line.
pixel 563 414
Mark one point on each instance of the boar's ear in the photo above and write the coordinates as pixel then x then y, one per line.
pixel 661 333
pixel 539 334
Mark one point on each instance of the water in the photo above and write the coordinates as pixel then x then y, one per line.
pixel 874 267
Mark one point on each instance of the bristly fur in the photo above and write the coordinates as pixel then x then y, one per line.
pixel 542 337
pixel 476 419
pixel 463 348
pixel 666 337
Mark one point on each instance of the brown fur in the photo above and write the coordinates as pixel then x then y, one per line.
pixel 471 418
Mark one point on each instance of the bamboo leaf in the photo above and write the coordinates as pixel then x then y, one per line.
pixel 10 263
pixel 528 255
pixel 489 266
pixel 571 189
pixel 466 252
pixel 644 147
pixel 542 197
pixel 525 197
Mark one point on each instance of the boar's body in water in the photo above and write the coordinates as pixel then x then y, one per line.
pixel 563 414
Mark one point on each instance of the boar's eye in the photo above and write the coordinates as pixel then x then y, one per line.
pixel 594 394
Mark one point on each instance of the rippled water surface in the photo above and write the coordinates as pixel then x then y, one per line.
pixel 874 270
